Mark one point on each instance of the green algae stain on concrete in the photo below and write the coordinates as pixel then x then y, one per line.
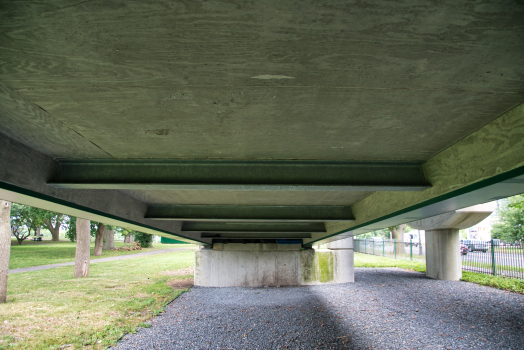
pixel 308 266
pixel 325 266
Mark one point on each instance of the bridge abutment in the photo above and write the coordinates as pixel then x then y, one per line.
pixel 271 265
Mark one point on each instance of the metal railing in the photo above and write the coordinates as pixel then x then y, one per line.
pixel 488 257
pixel 392 248
pixel 493 258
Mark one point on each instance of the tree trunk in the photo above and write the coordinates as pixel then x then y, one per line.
pixel 55 230
pixel 37 231
pixel 397 233
pixel 55 233
pixel 128 239
pixel 99 239
pixel 109 240
pixel 5 247
pixel 83 239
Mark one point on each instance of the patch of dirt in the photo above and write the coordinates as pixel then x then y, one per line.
pixel 181 283
pixel 180 272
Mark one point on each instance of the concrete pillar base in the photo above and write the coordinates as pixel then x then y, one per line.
pixel 256 265
pixel 443 254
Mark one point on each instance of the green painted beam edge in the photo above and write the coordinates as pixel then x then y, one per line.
pixel 466 189
pixel 41 196
pixel 165 240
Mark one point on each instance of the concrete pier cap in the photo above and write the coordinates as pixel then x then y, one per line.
pixel 442 239
pixel 273 265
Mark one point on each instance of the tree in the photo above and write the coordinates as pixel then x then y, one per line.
pixel 384 233
pixel 25 219
pixel 510 225
pixel 5 247
pixel 99 238
pixel 96 229
pixel 52 221
pixel 144 239
pixel 128 234
pixel 83 239
pixel 71 228
pixel 109 238
pixel 397 233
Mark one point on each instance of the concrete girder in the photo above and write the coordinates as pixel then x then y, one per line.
pixel 243 213
pixel 255 235
pixel 247 175
pixel 253 227
pixel 23 179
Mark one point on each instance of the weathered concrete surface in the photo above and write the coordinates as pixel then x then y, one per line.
pixel 443 254
pixel 319 81
pixel 271 266
pixel 493 150
pixel 29 170
pixel 460 219
pixel 442 239
pixel 229 79
pixel 346 243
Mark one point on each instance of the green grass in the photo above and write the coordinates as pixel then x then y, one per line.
pixel 48 309
pixel 508 250
pixel 60 252
pixel 488 266
pixel 368 260
pixel 500 282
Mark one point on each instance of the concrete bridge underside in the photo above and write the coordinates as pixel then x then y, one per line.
pixel 223 122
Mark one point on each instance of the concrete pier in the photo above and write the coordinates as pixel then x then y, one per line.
pixel 443 254
pixel 443 260
pixel 258 264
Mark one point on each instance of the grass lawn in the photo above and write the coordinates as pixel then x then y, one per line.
pixel 48 309
pixel 500 282
pixel 368 260
pixel 60 252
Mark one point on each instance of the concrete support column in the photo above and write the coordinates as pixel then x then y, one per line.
pixel 443 260
pixel 443 254
pixel 345 264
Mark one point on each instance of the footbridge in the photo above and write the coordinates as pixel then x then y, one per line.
pixel 261 129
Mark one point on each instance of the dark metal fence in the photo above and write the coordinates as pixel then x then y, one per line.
pixel 392 248
pixel 489 257
pixel 493 258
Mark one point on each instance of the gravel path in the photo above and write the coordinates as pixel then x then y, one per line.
pixel 384 309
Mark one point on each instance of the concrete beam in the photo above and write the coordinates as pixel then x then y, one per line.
pixel 24 173
pixel 484 166
pixel 240 175
pixel 253 227
pixel 248 213
pixel 256 235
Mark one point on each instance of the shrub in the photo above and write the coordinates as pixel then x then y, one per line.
pixel 144 239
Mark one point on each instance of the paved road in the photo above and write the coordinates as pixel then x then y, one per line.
pixel 383 309
pixel 94 261
pixel 516 260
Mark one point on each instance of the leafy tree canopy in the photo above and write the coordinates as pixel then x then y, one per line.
pixel 509 227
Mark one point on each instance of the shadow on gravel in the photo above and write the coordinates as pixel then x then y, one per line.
pixel 244 318
pixel 384 309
